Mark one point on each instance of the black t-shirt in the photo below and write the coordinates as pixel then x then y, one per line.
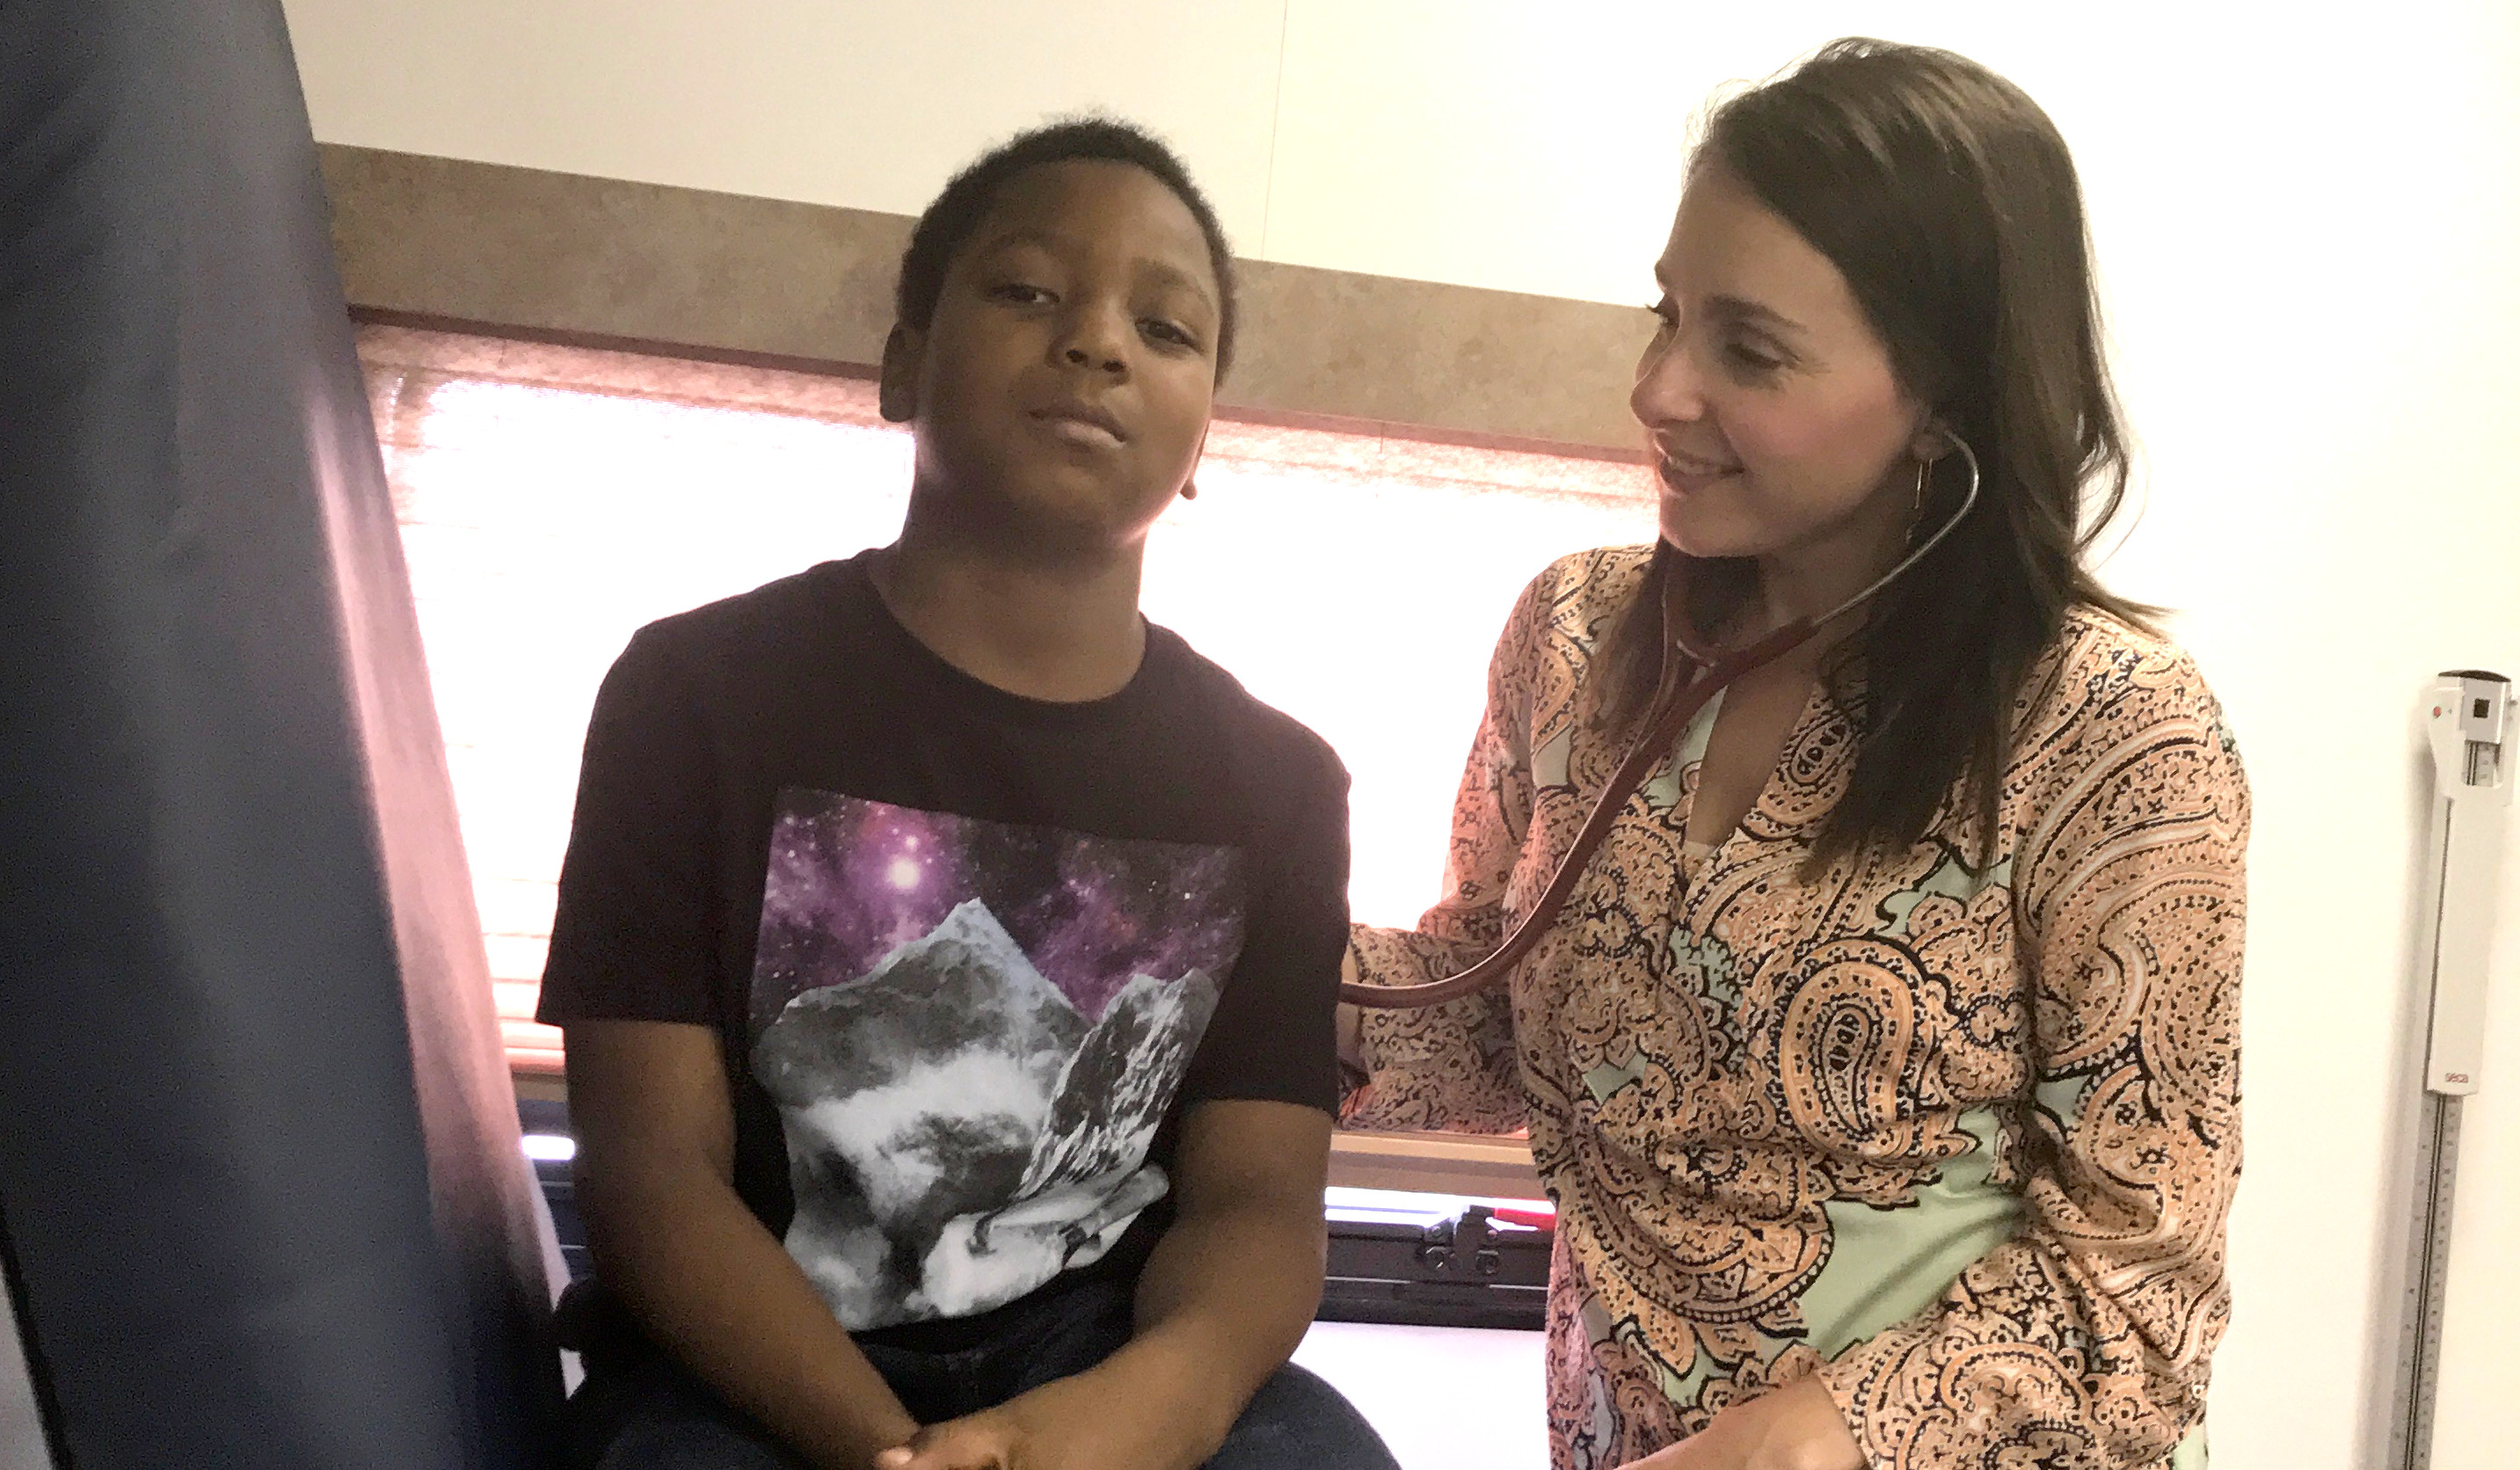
pixel 969 954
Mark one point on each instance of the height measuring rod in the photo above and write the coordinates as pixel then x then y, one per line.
pixel 2468 722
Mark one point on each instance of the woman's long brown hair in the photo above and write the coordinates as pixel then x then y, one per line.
pixel 1948 201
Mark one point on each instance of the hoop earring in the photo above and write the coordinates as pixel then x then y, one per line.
pixel 1917 506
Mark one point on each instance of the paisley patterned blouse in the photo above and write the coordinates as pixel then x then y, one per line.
pixel 1958 1139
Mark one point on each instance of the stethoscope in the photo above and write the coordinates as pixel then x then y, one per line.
pixel 1675 703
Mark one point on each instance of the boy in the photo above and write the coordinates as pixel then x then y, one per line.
pixel 948 957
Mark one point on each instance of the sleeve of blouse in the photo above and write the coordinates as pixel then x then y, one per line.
pixel 2084 1341
pixel 1454 1066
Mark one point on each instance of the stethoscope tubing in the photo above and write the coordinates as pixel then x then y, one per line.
pixel 1677 703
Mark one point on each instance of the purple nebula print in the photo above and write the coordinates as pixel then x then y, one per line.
pixel 973 1033
pixel 851 881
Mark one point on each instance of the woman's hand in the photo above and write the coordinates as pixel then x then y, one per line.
pixel 1797 1427
pixel 1354 1070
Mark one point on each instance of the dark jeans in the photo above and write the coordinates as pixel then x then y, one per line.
pixel 650 1414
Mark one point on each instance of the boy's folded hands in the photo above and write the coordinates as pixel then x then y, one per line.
pixel 1094 1421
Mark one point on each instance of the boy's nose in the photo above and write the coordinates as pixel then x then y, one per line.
pixel 1095 339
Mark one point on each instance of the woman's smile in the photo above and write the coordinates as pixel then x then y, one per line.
pixel 1686 474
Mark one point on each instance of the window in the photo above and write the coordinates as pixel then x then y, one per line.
pixel 553 500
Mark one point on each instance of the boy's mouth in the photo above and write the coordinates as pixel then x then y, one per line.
pixel 1083 423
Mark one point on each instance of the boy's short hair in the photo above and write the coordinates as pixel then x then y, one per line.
pixel 950 219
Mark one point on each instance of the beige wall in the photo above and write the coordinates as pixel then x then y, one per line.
pixel 2307 231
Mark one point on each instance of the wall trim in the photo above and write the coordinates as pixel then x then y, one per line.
pixel 453 245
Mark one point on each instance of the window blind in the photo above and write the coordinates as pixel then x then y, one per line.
pixel 553 500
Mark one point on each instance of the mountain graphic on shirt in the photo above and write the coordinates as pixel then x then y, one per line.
pixel 959 1132
pixel 1113 1093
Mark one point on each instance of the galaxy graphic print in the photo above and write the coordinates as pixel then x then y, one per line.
pixel 973 1031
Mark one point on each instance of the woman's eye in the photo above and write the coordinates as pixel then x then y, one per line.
pixel 1748 359
pixel 1663 313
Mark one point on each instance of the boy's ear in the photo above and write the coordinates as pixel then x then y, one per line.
pixel 897 385
pixel 1190 487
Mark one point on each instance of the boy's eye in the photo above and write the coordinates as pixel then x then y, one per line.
pixel 1168 331
pixel 1021 294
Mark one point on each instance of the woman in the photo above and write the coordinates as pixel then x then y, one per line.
pixel 1885 1063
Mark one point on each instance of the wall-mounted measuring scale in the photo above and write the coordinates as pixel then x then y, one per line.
pixel 2468 722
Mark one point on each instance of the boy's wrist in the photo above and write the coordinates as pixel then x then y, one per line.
pixel 892 1433
pixel 1175 1379
pixel 854 1427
